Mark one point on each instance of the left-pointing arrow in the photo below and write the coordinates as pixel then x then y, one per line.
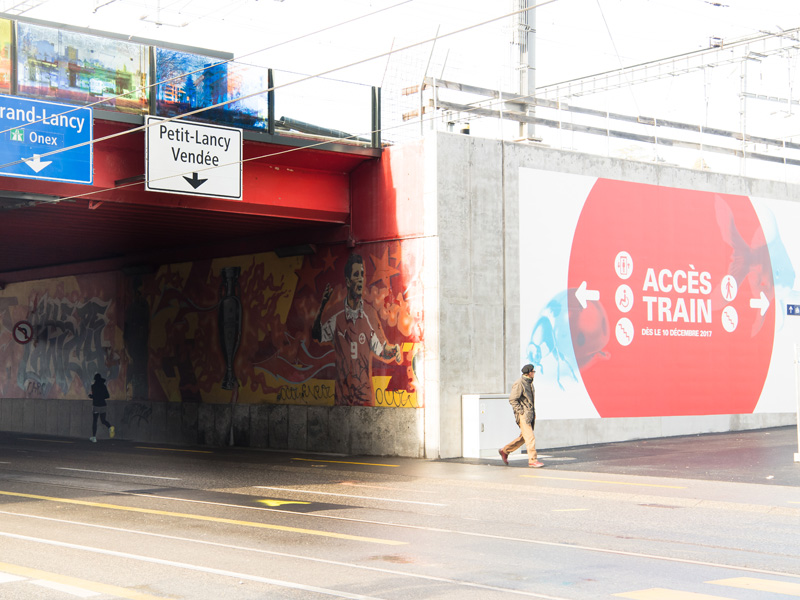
pixel 194 181
pixel 36 163
pixel 582 294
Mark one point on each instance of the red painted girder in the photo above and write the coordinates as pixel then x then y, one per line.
pixel 269 188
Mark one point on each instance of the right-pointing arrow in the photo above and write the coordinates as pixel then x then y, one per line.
pixel 194 181
pixel 582 294
pixel 762 303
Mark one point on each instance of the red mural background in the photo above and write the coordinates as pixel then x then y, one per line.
pixel 277 360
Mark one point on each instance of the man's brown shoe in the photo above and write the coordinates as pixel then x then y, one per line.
pixel 503 455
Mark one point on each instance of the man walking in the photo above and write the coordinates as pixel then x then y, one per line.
pixel 521 400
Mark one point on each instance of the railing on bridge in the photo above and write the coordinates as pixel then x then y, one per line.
pixel 142 77
pixel 447 103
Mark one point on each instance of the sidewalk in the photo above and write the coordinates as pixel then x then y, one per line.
pixel 763 456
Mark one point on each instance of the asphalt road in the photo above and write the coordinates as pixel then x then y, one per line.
pixel 692 518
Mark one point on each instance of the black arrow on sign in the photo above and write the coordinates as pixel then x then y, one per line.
pixel 194 181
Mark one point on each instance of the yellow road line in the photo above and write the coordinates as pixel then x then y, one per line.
pixel 275 503
pixel 174 450
pixel 345 462
pixel 665 594
pixel 762 585
pixel 150 511
pixel 85 584
pixel 673 487
pixel 47 441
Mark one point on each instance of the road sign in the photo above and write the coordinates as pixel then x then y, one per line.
pixel 35 135
pixel 184 157
pixel 23 332
pixel 793 309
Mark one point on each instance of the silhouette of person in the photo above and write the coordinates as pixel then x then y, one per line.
pixel 99 396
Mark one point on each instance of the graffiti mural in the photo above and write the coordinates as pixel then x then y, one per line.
pixel 282 354
pixel 230 323
pixel 136 336
pixel 56 336
pixel 336 327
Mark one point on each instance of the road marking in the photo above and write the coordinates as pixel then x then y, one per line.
pixel 275 503
pixel 666 594
pixel 63 587
pixel 150 511
pixel 121 474
pixel 345 462
pixel 672 487
pixel 386 487
pixel 534 542
pixel 569 509
pixel 762 585
pixel 47 441
pixel 174 449
pixel 271 553
pixel 170 563
pixel 403 573
pixel 265 487
pixel 93 586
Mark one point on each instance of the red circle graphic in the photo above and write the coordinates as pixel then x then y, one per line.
pixel 692 333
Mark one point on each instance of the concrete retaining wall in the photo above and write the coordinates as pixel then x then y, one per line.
pixel 477 228
pixel 336 429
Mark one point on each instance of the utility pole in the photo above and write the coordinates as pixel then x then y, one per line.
pixel 526 43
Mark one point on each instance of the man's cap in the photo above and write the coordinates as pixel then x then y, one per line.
pixel 527 369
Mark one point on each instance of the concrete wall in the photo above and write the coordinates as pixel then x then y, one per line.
pixel 338 429
pixel 477 229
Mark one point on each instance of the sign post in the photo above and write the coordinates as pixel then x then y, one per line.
pixel 45 140
pixel 184 157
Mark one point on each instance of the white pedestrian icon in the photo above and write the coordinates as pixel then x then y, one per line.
pixel 729 288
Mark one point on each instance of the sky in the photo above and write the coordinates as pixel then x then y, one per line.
pixel 574 38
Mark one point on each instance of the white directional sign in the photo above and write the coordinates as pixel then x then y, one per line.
pixel 185 157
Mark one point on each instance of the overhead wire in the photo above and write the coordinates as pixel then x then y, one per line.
pixel 300 80
pixel 616 51
pixel 217 64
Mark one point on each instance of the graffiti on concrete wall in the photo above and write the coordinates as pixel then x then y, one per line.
pixel 55 336
pixel 244 328
pixel 136 336
pixel 333 327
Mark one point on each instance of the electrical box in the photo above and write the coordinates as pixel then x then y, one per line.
pixel 487 424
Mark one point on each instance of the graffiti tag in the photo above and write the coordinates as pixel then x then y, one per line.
pixel 68 343
pixel 398 398
pixel 137 414
pixel 305 393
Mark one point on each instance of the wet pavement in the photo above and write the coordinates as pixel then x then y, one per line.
pixel 764 456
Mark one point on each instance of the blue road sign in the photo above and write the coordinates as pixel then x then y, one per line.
pixel 34 135
pixel 793 309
